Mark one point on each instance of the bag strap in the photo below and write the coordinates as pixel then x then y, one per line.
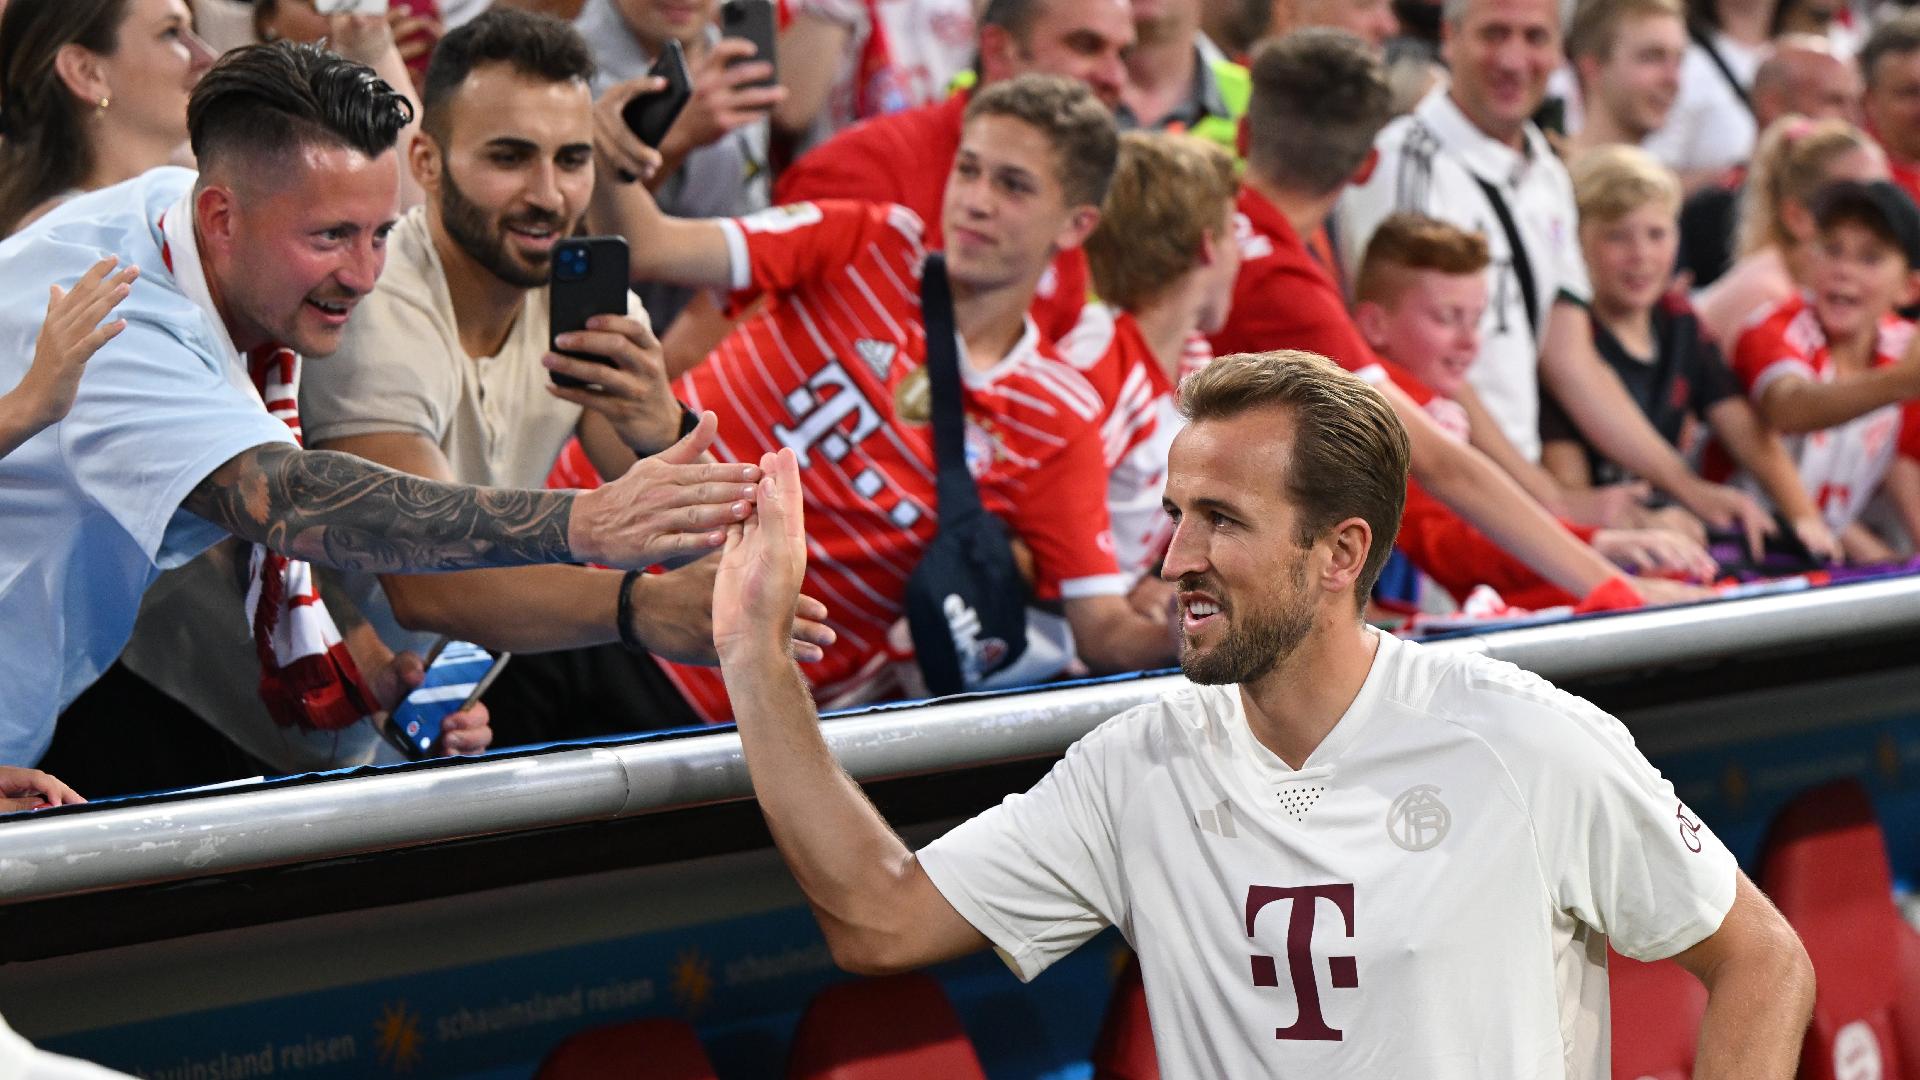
pixel 959 498
pixel 1522 266
pixel 1704 38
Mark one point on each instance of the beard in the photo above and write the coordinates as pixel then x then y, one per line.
pixel 484 237
pixel 1256 641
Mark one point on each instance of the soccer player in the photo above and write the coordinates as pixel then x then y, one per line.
pixel 831 368
pixel 1337 854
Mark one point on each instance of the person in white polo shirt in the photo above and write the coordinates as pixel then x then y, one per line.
pixel 1337 854
pixel 1469 155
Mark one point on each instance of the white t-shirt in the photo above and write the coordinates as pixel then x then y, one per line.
pixel 1424 899
pixel 920 47
pixel 90 508
pixel 1709 127
pixel 1432 162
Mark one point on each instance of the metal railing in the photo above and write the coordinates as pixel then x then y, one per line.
pixel 52 854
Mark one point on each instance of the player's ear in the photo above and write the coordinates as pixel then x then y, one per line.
pixel 1346 547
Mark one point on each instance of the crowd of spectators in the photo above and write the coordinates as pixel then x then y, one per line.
pixel 1630 272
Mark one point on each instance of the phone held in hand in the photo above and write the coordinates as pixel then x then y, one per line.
pixel 457 674
pixel 350 7
pixel 589 278
pixel 752 20
pixel 649 116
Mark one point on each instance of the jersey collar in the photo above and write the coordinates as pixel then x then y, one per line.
pixel 1264 766
pixel 1485 156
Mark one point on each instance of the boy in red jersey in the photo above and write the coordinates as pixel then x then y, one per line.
pixel 1836 370
pixel 832 368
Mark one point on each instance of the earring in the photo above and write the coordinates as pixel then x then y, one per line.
pixel 104 102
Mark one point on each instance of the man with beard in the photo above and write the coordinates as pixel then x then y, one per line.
pixel 440 375
pixel 1337 854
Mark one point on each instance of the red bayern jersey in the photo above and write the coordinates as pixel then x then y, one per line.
pixel 1136 429
pixel 832 367
pixel 1284 298
pixel 1842 466
pixel 904 158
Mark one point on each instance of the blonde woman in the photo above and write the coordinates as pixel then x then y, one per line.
pixel 1795 159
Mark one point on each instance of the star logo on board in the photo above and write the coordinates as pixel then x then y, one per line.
pixel 692 980
pixel 397 1037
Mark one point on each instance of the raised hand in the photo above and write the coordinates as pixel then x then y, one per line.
pixel 630 390
pixel 667 508
pixel 757 588
pixel 69 336
pixel 724 98
pixel 620 152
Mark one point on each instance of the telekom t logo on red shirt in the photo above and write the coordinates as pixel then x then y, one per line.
pixel 1343 971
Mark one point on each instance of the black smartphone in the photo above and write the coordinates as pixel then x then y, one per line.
pixel 650 115
pixel 589 278
pixel 752 20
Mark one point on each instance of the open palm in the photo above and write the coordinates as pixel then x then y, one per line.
pixel 758 583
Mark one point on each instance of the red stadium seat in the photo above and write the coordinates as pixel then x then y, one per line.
pixel 898 1028
pixel 657 1049
pixel 1124 1050
pixel 1826 868
pixel 1656 1018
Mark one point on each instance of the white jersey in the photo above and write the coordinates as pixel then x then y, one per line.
pixel 1709 127
pixel 1433 161
pixel 1424 899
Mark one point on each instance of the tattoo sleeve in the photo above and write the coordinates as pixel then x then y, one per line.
pixel 342 511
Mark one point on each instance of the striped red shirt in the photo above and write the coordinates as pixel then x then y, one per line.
pixel 833 369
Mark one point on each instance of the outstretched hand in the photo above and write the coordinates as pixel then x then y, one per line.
pixel 668 508
pixel 70 335
pixel 757 587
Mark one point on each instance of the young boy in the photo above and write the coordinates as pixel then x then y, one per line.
pixel 1629 205
pixel 1831 369
pixel 1419 297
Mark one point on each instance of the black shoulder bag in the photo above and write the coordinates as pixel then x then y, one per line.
pixel 966 601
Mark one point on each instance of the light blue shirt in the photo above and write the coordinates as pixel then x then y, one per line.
pixel 90 508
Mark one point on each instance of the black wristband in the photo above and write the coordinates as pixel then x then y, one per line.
pixel 623 615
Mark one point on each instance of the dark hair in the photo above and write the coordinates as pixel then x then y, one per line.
pixel 1079 128
pixel 1014 16
pixel 265 101
pixel 43 145
pixel 540 46
pixel 1319 98
pixel 1897 36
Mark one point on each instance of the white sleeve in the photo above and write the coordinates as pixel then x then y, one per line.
pixel 1620 851
pixel 1038 874
pixel 153 418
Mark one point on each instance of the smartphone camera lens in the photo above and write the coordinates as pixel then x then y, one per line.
pixel 570 263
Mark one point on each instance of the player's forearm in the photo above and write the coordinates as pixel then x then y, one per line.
pixel 1796 405
pixel 341 511
pixel 809 50
pixel 526 609
pixel 850 864
pixel 1757 1011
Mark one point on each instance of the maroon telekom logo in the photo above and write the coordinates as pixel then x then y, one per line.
pixel 1342 971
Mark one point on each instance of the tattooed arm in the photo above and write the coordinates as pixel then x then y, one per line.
pixel 341 511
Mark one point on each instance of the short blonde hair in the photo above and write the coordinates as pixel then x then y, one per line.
pixel 1791 164
pixel 1350 454
pixel 1168 193
pixel 1596 23
pixel 1407 243
pixel 1610 182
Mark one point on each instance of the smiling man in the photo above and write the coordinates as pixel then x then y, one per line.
pixel 184 432
pixel 1338 855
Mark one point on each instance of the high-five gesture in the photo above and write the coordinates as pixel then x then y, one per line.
pixel 667 508
pixel 758 584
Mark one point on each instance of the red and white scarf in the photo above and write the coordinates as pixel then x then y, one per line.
pixel 307 677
